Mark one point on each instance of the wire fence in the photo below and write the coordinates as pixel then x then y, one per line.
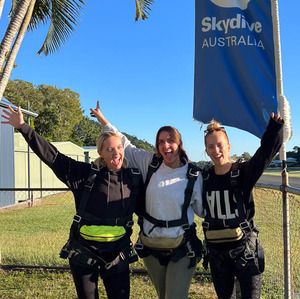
pixel 34 239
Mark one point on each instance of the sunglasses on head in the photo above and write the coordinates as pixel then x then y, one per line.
pixel 208 131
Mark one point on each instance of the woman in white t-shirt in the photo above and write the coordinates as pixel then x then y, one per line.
pixel 168 243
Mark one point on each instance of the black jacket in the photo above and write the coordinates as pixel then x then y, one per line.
pixel 111 195
pixel 218 188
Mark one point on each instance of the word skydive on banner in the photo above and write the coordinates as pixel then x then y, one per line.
pixel 230 25
pixel 235 79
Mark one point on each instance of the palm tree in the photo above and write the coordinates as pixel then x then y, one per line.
pixel 4 76
pixel 1 7
pixel 62 15
pixel 143 8
pixel 29 14
pixel 12 29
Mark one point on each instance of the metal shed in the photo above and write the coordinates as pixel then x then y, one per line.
pixel 7 172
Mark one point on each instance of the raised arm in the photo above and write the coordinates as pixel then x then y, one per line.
pixel 136 157
pixel 65 168
pixel 99 115
pixel 270 144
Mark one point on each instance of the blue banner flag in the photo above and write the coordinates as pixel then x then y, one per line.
pixel 235 77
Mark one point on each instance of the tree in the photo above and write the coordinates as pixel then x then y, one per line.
pixel 143 8
pixel 86 132
pixel 246 156
pixel 61 112
pixel 59 109
pixel 1 7
pixel 62 15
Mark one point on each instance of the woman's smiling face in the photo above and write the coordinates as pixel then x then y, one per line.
pixel 112 152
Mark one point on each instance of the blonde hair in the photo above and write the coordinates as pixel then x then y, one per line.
pixel 99 162
pixel 213 126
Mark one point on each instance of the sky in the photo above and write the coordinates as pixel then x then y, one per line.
pixel 142 72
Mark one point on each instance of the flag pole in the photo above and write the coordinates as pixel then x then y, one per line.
pixel 283 108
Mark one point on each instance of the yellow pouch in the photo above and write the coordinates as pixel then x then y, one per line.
pixel 102 233
pixel 161 243
pixel 224 235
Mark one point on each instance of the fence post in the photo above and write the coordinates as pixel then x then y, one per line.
pixel 286 231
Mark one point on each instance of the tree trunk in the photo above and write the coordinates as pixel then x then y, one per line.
pixel 4 76
pixel 12 29
pixel 1 7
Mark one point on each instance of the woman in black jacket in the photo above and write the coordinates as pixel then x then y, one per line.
pixel 230 233
pixel 105 195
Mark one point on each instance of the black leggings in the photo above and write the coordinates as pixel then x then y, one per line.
pixel 116 283
pixel 223 270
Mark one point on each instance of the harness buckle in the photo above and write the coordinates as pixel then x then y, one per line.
pixel 135 171
pixel 245 226
pixel 205 225
pixel 130 223
pixel 91 262
pixel 191 254
pixel 195 174
pixel 235 173
pixel 122 256
pixel 185 226
pixel 154 165
pixel 138 245
pixel 77 218
pixel 89 185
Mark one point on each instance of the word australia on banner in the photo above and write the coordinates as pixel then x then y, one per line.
pixel 235 78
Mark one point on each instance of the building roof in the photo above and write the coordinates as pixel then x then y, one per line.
pixel 4 103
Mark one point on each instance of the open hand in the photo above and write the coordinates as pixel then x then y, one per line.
pixel 13 117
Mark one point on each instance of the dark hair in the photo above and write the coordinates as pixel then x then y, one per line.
pixel 177 138
pixel 214 126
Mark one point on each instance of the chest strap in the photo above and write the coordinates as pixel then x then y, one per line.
pixel 82 214
pixel 192 175
pixel 240 221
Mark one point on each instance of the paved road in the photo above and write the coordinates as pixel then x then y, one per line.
pixel 272 179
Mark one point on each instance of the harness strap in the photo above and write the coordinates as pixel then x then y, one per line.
pixel 192 175
pixel 125 221
pixel 82 254
pixel 237 191
pixel 238 195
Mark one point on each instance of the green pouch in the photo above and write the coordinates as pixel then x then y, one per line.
pixel 102 233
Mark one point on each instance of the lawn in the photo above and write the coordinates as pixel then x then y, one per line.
pixel 277 172
pixel 34 236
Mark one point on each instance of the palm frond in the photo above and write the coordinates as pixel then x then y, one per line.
pixel 142 9
pixel 63 19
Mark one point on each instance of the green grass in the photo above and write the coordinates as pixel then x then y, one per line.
pixel 277 172
pixel 34 236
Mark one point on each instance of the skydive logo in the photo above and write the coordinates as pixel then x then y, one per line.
pixel 234 31
pixel 242 4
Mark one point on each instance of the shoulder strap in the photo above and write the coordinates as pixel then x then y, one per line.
pixel 88 186
pixel 237 191
pixel 136 179
pixel 192 175
pixel 153 166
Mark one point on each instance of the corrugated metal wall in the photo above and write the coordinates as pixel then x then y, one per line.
pixel 6 163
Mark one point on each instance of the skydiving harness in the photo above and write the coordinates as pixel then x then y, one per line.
pixel 227 230
pixel 249 255
pixel 88 255
pixel 184 245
